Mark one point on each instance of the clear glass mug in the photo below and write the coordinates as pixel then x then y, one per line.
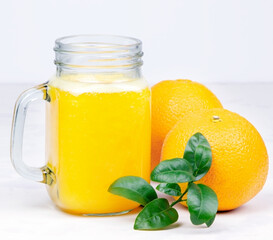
pixel 98 123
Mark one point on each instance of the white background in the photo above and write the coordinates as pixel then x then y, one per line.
pixel 203 40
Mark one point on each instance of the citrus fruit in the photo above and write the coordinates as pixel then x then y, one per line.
pixel 239 158
pixel 171 99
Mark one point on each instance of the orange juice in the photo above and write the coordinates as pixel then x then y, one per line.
pixel 96 132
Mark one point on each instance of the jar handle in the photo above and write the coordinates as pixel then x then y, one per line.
pixel 43 174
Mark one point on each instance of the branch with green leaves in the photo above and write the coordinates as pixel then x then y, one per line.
pixel 158 213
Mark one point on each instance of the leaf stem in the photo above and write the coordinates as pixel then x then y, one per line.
pixel 180 198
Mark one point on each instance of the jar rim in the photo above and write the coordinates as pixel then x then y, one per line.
pixel 83 42
pixel 97 52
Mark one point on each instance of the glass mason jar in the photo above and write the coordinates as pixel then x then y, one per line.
pixel 97 123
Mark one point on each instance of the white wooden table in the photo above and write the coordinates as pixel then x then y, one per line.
pixel 26 211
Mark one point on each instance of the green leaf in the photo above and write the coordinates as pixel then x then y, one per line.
pixel 172 189
pixel 202 204
pixel 203 158
pixel 197 221
pixel 133 188
pixel 155 215
pixel 176 170
pixel 210 222
pixel 198 154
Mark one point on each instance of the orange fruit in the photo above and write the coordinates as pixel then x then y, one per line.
pixel 171 99
pixel 239 158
